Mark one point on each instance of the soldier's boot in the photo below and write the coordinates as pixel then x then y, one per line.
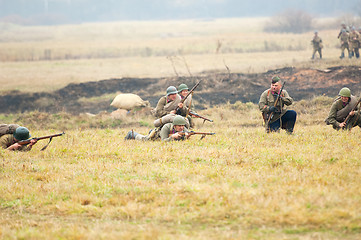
pixel 151 134
pixel 357 54
pixel 320 55
pixel 342 55
pixel 130 135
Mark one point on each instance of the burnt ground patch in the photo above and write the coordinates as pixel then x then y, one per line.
pixel 215 89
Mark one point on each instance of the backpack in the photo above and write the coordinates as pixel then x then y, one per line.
pixel 8 129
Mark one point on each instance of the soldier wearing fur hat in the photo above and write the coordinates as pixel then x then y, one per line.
pixel 344 107
pixel 169 132
pixel 276 115
pixel 14 134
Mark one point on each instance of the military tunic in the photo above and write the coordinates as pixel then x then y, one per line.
pixel 164 106
pixel 317 46
pixel 339 111
pixel 267 99
pixel 8 139
pixel 344 44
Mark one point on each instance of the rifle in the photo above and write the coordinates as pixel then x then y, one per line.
pixel 193 114
pixel 189 93
pixel 347 119
pixel 204 134
pixel 275 104
pixel 26 142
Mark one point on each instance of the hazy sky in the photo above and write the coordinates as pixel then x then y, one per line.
pixel 75 11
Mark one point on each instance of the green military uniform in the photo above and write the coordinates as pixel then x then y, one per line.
pixel 317 46
pixel 354 39
pixel 267 100
pixel 344 43
pixel 164 106
pixel 339 111
pixel 8 139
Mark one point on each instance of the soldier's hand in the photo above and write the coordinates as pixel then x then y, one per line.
pixel 352 113
pixel 32 142
pixel 180 105
pixel 173 112
pixel 176 135
pixel 15 146
pixel 272 109
pixel 342 125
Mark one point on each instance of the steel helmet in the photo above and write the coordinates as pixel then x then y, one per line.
pixel 345 92
pixel 182 87
pixel 179 120
pixel 21 133
pixel 171 90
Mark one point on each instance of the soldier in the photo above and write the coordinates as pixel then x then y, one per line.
pixel 341 108
pixel 344 43
pixel 10 141
pixel 354 39
pixel 343 27
pixel 317 45
pixel 280 117
pixel 183 91
pixel 169 132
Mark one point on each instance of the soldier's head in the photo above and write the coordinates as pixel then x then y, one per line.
pixel 343 24
pixel 276 84
pixel 316 32
pixel 183 89
pixel 343 30
pixel 179 122
pixel 172 93
pixel 353 29
pixel 345 94
pixel 21 133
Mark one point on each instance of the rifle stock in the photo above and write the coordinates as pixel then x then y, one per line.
pixel 195 133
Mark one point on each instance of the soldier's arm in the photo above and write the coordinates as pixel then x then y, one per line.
pixel 159 110
pixel 164 134
pixel 331 119
pixel 286 99
pixel 263 104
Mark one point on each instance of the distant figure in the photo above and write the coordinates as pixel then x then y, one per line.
pixel 343 27
pixel 354 42
pixel 317 45
pixel 344 43
pixel 10 138
pixel 342 108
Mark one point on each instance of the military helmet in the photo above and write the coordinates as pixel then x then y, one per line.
pixel 345 92
pixel 179 120
pixel 21 133
pixel 182 87
pixel 171 90
pixel 276 79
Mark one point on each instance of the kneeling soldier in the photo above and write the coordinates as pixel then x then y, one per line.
pixel 274 114
pixel 10 141
pixel 343 111
pixel 169 132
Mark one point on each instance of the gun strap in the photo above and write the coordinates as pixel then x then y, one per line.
pixel 51 138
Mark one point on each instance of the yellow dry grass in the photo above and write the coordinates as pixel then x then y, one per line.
pixel 239 184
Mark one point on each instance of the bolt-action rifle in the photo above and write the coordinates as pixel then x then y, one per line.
pixel 189 93
pixel 204 134
pixel 267 120
pixel 347 119
pixel 26 142
pixel 193 114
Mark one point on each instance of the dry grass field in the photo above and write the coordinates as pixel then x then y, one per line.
pixel 238 184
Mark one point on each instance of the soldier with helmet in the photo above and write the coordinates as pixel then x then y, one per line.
pixel 343 27
pixel 10 141
pixel 343 107
pixel 277 114
pixel 317 45
pixel 169 132
pixel 354 41
pixel 183 91
pixel 344 43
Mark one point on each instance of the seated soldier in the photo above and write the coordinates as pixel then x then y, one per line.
pixel 274 114
pixel 169 132
pixel 183 91
pixel 344 107
pixel 11 141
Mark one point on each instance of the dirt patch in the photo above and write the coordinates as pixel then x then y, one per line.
pixel 215 88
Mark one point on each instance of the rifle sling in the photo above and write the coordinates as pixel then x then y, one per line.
pixel 51 138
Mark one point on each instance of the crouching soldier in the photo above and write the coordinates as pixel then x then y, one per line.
pixel 276 115
pixel 13 135
pixel 168 107
pixel 343 113
pixel 169 132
